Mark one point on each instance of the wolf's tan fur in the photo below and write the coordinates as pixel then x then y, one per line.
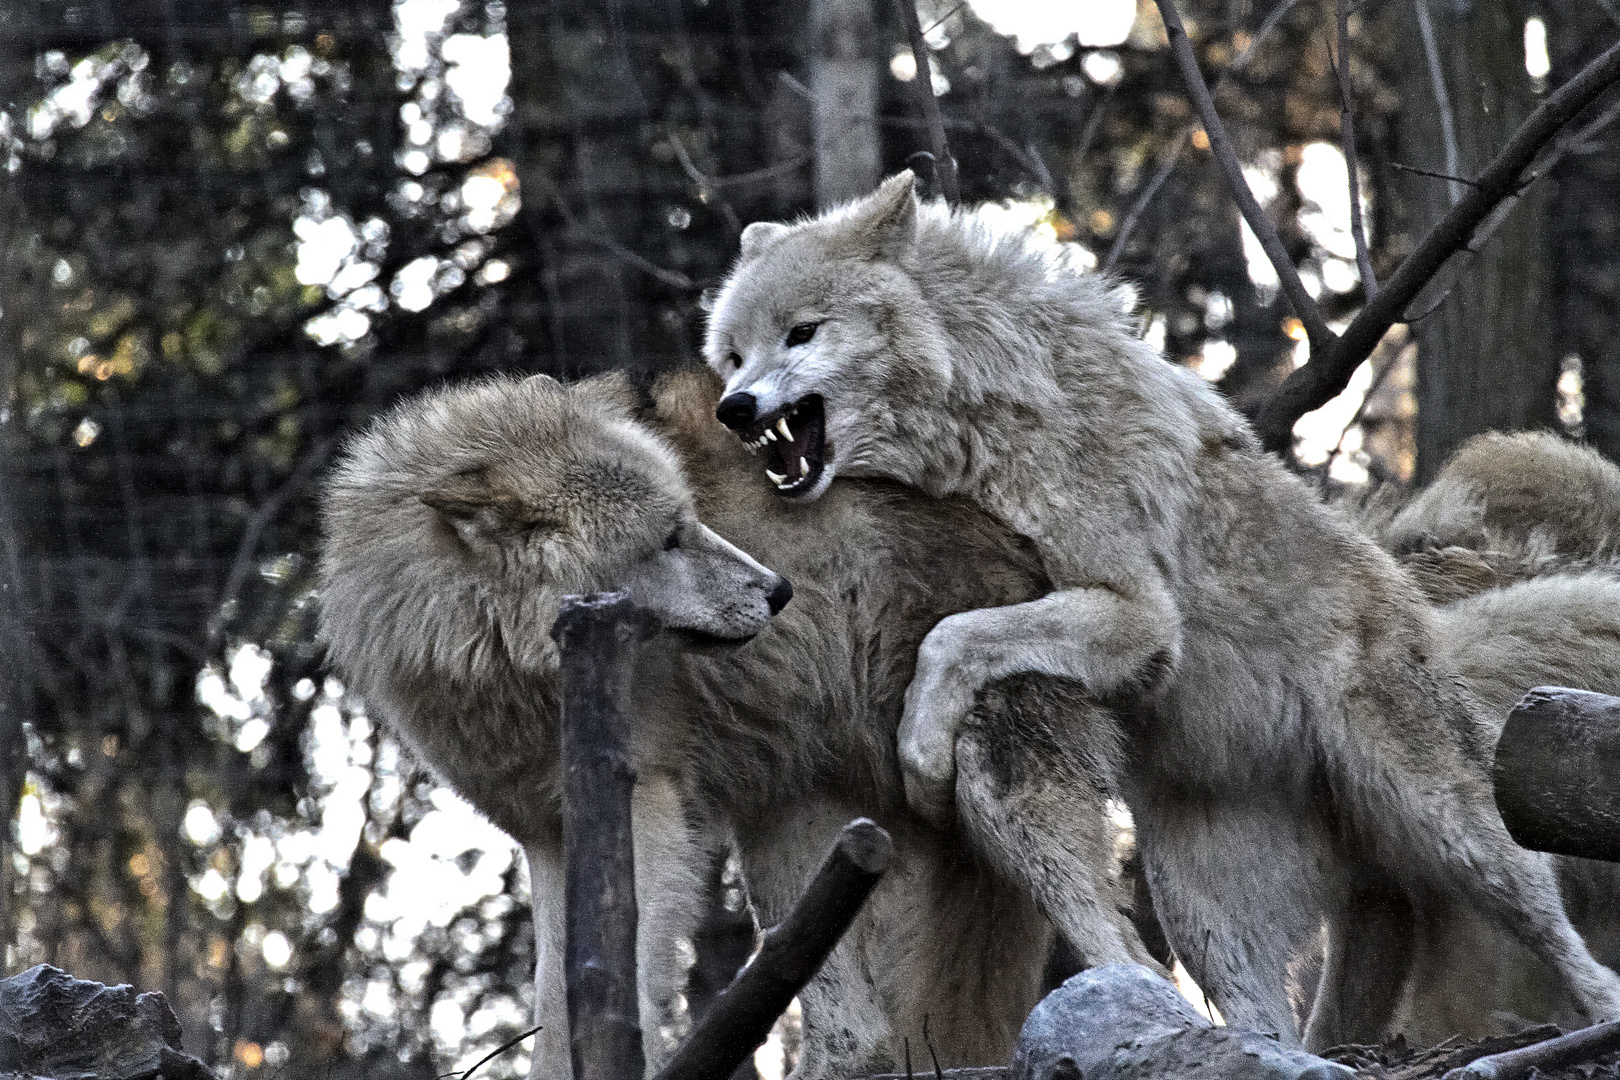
pixel 1291 729
pixel 439 618
pixel 1531 493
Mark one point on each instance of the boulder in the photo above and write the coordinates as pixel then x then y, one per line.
pixel 1124 1022
pixel 53 1025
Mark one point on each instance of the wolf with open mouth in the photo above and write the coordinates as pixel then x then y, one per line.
pixel 1292 723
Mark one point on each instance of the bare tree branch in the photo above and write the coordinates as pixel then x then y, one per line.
pixel 1347 135
pixel 1234 68
pixel 944 164
pixel 673 278
pixel 1316 329
pixel 1266 28
pixel 1330 368
pixel 1442 99
pixel 1128 226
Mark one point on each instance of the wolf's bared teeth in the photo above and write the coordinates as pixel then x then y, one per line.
pixel 770 435
pixel 782 426
pixel 751 448
pixel 776 478
pixel 804 467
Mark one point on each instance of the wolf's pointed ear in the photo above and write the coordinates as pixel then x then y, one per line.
pixel 887 219
pixel 461 496
pixel 759 236
pixel 465 495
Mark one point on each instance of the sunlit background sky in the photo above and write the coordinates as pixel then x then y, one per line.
pixel 453 857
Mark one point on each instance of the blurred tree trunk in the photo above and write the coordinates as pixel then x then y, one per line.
pixel 1585 228
pixel 1486 359
pixel 845 74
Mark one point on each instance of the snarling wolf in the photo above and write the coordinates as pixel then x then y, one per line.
pixel 455 525
pixel 1291 729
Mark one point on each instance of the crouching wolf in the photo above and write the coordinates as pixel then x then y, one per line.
pixel 456 524
pixel 1290 726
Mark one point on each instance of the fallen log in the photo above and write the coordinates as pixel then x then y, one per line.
pixel 597 636
pixel 1578 1047
pixel 792 952
pixel 1557 773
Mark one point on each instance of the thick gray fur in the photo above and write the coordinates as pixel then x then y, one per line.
pixel 455 525
pixel 1292 730
pixel 1527 507
pixel 1528 492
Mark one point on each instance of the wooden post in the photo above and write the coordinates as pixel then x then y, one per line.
pixel 598 636
pixel 1557 773
pixel 793 951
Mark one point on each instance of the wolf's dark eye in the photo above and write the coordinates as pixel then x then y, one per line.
pixel 736 361
pixel 673 541
pixel 801 333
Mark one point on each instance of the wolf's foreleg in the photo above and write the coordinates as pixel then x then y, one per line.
pixel 1114 640
pixel 550 1060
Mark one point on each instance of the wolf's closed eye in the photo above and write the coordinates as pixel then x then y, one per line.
pixel 801 333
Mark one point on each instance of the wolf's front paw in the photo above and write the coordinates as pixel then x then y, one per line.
pixel 937 703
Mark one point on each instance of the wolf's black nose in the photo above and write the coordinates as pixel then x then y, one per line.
pixel 780 596
pixel 736 411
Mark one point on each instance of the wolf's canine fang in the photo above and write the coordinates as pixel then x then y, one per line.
pixel 794 439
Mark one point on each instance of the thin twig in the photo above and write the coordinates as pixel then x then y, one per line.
pixel 256 525
pixel 1430 172
pixel 1128 226
pixel 1347 135
pixel 1094 123
pixel 944 164
pixel 1293 288
pixel 928 1042
pixel 1318 381
pixel 1442 99
pixel 493 1054
pixel 937 23
pixel 1380 377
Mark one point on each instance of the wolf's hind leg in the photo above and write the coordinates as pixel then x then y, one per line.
pixel 1367 961
pixel 1444 818
pixel 1236 887
pixel 1034 765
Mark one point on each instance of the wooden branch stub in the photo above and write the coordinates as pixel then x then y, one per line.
pixel 793 951
pixel 1557 773
pixel 1572 1049
pixel 598 637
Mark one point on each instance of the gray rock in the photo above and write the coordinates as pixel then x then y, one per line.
pixel 1123 1022
pixel 53 1025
